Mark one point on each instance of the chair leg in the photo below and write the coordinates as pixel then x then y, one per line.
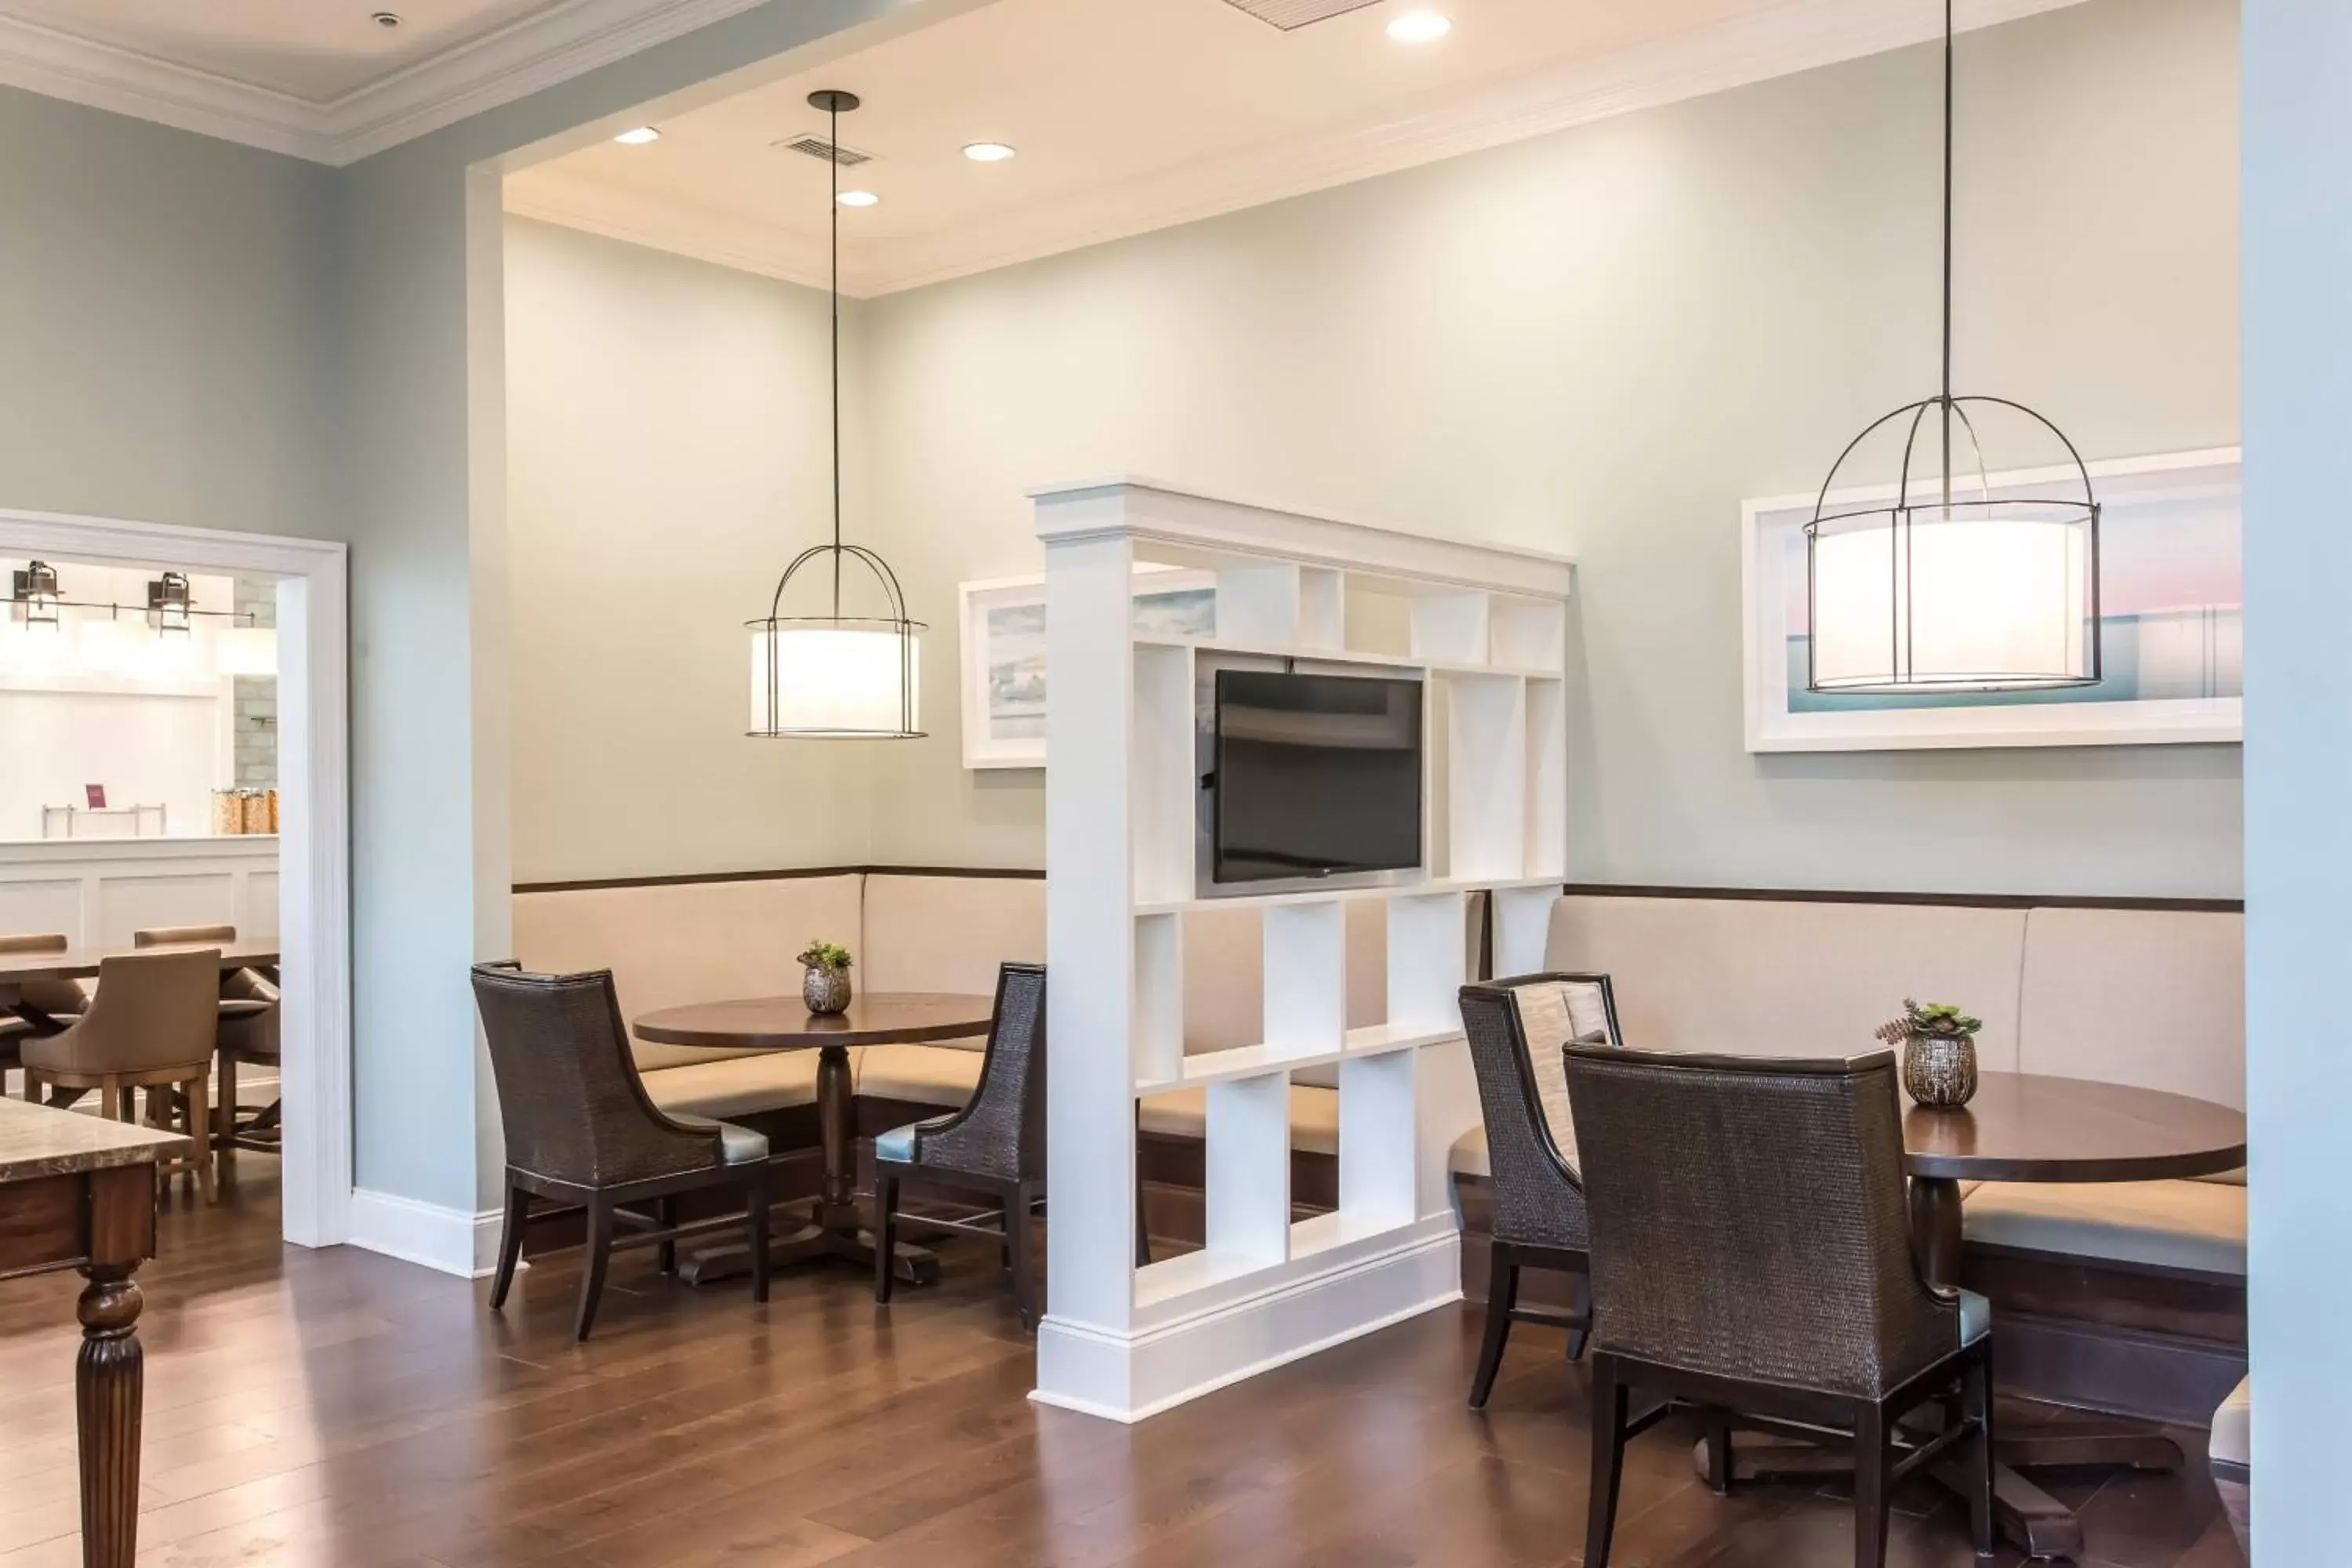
pixel 1978 1396
pixel 600 1253
pixel 1870 1489
pixel 1502 1295
pixel 665 1253
pixel 885 1216
pixel 1016 1234
pixel 1607 1459
pixel 200 1130
pixel 224 1117
pixel 1717 1422
pixel 1581 1288
pixel 755 1197
pixel 510 1241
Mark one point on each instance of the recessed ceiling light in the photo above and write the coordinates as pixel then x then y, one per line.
pixel 987 151
pixel 1419 28
pixel 386 18
pixel 858 198
pixel 638 137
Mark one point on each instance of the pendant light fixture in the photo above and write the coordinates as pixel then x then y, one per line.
pixel 835 675
pixel 1939 589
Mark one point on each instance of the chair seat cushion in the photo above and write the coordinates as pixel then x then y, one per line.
pixel 1975 1317
pixel 927 1075
pixel 2232 1439
pixel 737 1145
pixel 736 1086
pixel 2197 1226
pixel 898 1143
pixel 243 1007
pixel 1314 1117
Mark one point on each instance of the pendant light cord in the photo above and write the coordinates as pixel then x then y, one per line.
pixel 832 164
pixel 1947 409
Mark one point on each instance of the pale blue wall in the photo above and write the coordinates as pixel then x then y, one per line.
pixel 2297 229
pixel 163 322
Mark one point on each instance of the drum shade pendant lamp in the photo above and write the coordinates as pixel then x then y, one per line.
pixel 1954 590
pixel 836 676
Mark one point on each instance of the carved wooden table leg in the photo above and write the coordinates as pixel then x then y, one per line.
pixel 107 1382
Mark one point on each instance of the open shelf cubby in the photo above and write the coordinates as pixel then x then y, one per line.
pixel 1353 988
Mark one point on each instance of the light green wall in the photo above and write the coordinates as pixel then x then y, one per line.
pixel 1600 341
pixel 668 445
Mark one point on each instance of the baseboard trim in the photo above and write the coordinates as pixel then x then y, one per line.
pixel 448 1241
pixel 1131 1377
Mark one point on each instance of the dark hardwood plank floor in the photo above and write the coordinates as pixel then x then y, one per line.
pixel 337 1408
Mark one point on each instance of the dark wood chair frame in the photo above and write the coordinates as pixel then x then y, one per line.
pixel 606 1204
pixel 1884 1452
pixel 1505 1259
pixel 608 1210
pixel 1016 1199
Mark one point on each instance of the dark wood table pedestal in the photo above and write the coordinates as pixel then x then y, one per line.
pixel 2024 1128
pixel 77 1192
pixel 836 1223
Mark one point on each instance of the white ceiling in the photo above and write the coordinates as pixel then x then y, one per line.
pixel 317 50
pixel 1133 115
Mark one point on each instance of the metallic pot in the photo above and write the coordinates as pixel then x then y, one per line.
pixel 1940 1069
pixel 827 991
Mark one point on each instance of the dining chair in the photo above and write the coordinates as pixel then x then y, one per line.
pixel 1515 1029
pixel 246 998
pixel 581 1132
pixel 149 1026
pixel 996 1146
pixel 1751 1258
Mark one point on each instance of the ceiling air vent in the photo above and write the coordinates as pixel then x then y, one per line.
pixel 1289 13
pixel 817 147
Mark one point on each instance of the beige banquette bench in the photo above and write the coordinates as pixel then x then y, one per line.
pixel 669 942
pixel 2148 996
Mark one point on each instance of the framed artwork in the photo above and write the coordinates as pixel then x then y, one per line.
pixel 2171 626
pixel 1000 625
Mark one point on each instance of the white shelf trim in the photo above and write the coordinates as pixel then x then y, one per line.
pixel 1239 1062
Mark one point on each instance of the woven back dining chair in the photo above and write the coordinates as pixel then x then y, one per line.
pixel 1751 1255
pixel 1516 1028
pixel 996 1146
pixel 581 1131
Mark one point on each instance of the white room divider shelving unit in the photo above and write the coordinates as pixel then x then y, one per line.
pixel 1485 630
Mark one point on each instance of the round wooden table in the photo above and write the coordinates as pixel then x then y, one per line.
pixel 2024 1127
pixel 785 1024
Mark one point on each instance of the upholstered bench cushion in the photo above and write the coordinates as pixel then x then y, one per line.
pixel 2169 1225
pixel 928 1075
pixel 736 1086
pixel 2232 1439
pixel 737 1145
pixel 1314 1117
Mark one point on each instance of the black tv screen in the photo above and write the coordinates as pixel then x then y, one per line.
pixel 1315 775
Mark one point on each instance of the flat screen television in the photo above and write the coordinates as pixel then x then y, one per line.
pixel 1314 775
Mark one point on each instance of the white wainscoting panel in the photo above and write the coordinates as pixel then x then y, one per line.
pixel 97 892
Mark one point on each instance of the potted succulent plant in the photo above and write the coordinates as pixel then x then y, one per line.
pixel 825 987
pixel 1939 1051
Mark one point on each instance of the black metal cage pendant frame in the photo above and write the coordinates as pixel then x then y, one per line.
pixel 836 676
pixel 1949 593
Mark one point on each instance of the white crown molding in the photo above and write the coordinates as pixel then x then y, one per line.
pixel 1797 37
pixel 501 67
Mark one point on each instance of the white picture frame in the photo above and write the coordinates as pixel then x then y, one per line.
pixel 2202 486
pixel 1003 713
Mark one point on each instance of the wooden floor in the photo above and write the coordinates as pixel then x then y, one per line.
pixel 340 1408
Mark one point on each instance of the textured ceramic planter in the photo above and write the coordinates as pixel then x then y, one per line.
pixel 827 991
pixel 1940 1069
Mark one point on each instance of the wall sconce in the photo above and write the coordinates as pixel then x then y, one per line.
pixel 167 603
pixel 34 599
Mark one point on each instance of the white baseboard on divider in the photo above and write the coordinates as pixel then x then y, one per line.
pixel 451 1240
pixel 1129 1377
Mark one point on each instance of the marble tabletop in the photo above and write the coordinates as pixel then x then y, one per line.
pixel 36 1140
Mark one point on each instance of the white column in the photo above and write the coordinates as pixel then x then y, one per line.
pixel 1090 1066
